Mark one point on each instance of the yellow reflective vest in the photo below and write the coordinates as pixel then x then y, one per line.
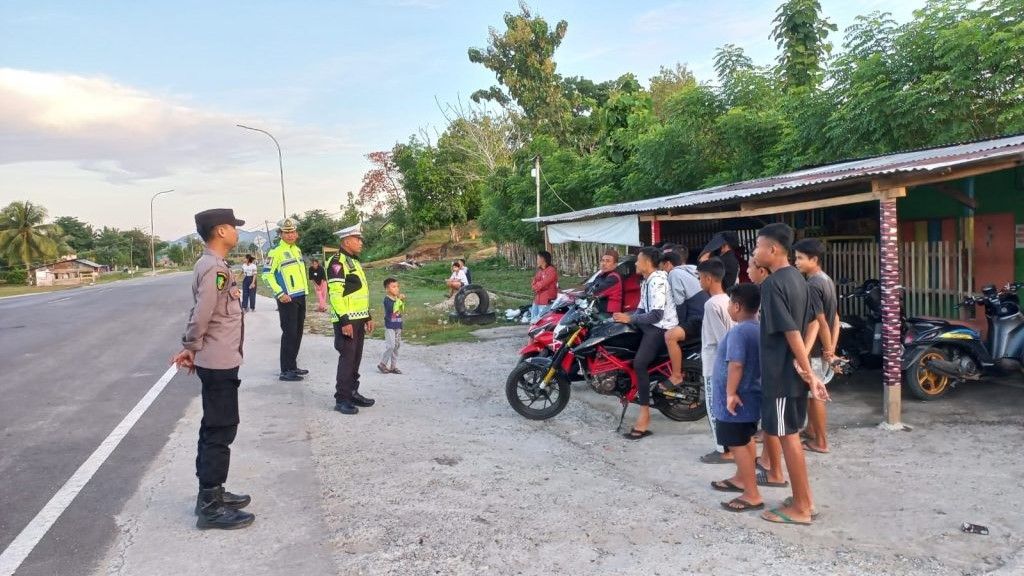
pixel 285 272
pixel 347 289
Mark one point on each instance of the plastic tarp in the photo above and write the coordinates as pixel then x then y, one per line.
pixel 615 230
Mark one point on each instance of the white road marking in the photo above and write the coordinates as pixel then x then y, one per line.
pixel 59 300
pixel 30 536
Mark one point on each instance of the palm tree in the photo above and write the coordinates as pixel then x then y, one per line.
pixel 23 235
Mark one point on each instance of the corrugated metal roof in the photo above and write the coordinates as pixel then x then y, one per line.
pixel 849 171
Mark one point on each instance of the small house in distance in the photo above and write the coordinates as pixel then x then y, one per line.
pixel 68 272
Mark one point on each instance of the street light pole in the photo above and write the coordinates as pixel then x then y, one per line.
pixel 152 231
pixel 280 164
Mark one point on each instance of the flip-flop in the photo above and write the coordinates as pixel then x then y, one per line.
pixel 788 503
pixel 762 480
pixel 635 434
pixel 744 506
pixel 782 518
pixel 761 467
pixel 715 457
pixel 815 449
pixel 726 486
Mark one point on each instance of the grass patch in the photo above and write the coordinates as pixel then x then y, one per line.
pixel 424 288
pixel 18 290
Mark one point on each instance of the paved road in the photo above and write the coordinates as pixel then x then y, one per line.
pixel 74 364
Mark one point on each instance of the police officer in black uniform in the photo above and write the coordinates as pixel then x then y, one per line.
pixel 212 347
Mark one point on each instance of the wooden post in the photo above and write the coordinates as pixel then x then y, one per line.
pixel 655 231
pixel 892 348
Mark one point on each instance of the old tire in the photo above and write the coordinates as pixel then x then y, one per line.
pixel 922 382
pixel 472 299
pixel 524 394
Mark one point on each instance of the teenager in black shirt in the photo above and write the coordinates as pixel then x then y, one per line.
pixel 785 368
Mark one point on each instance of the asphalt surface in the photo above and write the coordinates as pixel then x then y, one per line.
pixel 74 364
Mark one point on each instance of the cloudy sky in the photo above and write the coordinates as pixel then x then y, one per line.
pixel 102 104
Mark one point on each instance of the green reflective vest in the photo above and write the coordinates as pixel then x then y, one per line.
pixel 285 272
pixel 347 289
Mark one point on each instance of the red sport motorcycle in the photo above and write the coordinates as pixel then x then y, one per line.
pixel 602 352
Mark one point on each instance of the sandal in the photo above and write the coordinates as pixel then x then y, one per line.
pixel 788 503
pixel 741 505
pixel 782 518
pixel 635 434
pixel 395 371
pixel 715 457
pixel 762 480
pixel 383 369
pixel 726 486
pixel 811 448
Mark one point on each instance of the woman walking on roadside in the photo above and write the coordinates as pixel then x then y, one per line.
pixel 319 279
pixel 249 284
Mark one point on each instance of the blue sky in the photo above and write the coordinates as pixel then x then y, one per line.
pixel 103 104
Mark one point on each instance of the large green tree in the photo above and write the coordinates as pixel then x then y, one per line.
pixel 522 59
pixel 25 237
pixel 78 235
pixel 801 33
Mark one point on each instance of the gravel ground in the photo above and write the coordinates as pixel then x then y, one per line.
pixel 442 477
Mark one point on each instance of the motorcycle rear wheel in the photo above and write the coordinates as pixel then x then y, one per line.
pixel 523 392
pixel 922 382
pixel 689 409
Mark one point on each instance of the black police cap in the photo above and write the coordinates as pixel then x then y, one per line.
pixel 207 219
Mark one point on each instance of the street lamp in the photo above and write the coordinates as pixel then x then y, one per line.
pixel 280 164
pixel 152 231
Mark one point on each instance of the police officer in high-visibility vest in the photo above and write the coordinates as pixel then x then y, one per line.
pixel 349 295
pixel 285 274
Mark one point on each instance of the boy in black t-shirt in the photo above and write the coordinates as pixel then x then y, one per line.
pixel 785 367
pixel 821 337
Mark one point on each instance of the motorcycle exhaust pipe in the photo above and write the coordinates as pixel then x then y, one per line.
pixel 949 369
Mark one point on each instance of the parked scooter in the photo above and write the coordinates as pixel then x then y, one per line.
pixel 860 338
pixel 940 355
pixel 602 351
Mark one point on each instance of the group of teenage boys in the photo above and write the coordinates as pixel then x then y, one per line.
pixel 768 347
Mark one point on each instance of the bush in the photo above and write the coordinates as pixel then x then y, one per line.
pixel 16 276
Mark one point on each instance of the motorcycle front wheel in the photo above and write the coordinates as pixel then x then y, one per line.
pixel 526 394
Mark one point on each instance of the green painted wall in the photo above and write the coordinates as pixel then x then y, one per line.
pixel 995 193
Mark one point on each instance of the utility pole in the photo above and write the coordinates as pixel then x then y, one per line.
pixel 536 178
pixel 270 241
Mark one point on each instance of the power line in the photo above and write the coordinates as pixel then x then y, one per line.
pixel 550 187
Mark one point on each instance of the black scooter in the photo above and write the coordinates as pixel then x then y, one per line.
pixel 940 354
pixel 860 338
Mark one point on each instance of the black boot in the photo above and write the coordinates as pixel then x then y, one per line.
pixel 213 513
pixel 362 401
pixel 233 501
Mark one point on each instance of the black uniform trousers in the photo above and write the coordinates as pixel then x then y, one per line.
pixel 219 425
pixel 293 318
pixel 350 354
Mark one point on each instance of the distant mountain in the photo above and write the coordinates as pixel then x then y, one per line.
pixel 245 237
